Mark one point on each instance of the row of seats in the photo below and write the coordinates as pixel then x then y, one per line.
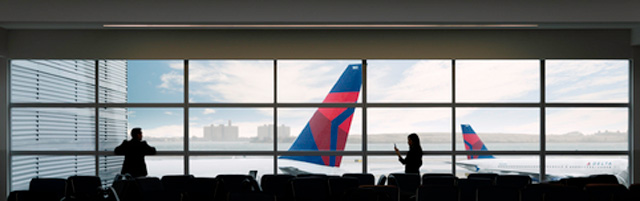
pixel 318 187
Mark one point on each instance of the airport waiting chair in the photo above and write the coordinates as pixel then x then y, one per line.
pixel 578 182
pixel 443 180
pixel 203 189
pixel 438 193
pixel 150 189
pixel 469 187
pixel 407 184
pixel 513 181
pixel 363 178
pixel 374 192
pixel 606 192
pixel 177 186
pixel 234 183
pixel 490 176
pixel 565 193
pixel 497 193
pixel 603 179
pixel 537 192
pixel 53 186
pixel 81 188
pixel 310 189
pixel 250 196
pixel 278 185
pixel 340 186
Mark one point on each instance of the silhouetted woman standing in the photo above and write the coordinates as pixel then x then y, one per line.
pixel 413 161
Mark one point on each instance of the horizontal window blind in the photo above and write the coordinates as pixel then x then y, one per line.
pixel 53 81
pixel 24 168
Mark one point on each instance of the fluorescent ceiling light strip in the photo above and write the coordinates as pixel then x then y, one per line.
pixel 320 25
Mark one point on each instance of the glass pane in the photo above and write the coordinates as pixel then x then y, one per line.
pixel 53 129
pixel 210 166
pixel 505 129
pixel 348 164
pixel 23 168
pixel 559 167
pixel 109 167
pixel 587 129
pixel 239 81
pixel 53 81
pixel 587 81
pixel 497 81
pixel 147 81
pixel 231 129
pixel 389 126
pixel 321 129
pixel 113 81
pixel 307 81
pixel 112 127
pixel 409 80
pixel 162 128
pixel 158 166
pixel 385 165
pixel 503 165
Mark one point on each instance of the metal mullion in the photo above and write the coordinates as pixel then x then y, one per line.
pixel 6 74
pixel 185 118
pixel 275 117
pixel 320 153
pixel 453 116
pixel 364 138
pixel 207 105
pixel 543 121
pixel 630 123
pixel 97 117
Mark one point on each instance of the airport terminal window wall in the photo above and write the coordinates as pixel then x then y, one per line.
pixel 209 117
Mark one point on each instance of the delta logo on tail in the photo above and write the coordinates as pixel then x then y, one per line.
pixel 472 142
pixel 328 128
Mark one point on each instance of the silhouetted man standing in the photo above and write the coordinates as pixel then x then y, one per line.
pixel 134 151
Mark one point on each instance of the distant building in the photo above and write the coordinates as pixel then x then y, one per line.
pixel 221 132
pixel 265 132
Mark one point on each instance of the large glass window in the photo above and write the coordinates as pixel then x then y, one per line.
pixel 311 116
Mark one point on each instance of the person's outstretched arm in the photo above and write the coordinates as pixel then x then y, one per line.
pixel 121 149
pixel 149 150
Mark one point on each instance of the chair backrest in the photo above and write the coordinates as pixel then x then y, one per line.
pixel 340 186
pixel 440 180
pixel 469 187
pixel 379 192
pixel 251 196
pixel 513 181
pixel 407 183
pixel 56 186
pixel 150 188
pixel 237 183
pixel 634 191
pixel 177 183
pixel 578 182
pixel 203 189
pixel 603 179
pixel 490 176
pixel 310 189
pixel 278 185
pixel 497 193
pixel 363 178
pixel 563 193
pixel 83 187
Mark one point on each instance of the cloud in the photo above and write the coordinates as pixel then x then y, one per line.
pixel 497 80
pixel 173 81
pixel 409 81
pixel 209 111
pixel 231 81
pixel 168 113
pixel 165 131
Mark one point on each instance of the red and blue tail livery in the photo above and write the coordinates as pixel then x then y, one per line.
pixel 328 128
pixel 472 142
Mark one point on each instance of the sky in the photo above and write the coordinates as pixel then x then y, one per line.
pixel 394 81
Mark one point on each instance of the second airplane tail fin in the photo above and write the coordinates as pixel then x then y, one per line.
pixel 472 142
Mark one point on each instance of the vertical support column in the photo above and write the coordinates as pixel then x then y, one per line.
pixel 365 155
pixel 186 117
pixel 543 120
pixel 5 160
pixel 634 162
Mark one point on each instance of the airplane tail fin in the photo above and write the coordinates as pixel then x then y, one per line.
pixel 472 142
pixel 328 128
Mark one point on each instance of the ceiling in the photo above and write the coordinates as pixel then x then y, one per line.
pixel 547 14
